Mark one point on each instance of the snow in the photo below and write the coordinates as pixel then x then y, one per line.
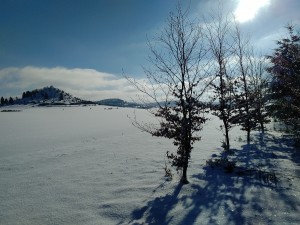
pixel 88 165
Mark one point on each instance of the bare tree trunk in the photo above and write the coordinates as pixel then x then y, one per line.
pixel 184 179
pixel 248 136
pixel 227 136
pixel 262 127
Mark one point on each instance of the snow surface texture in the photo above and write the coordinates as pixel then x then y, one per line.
pixel 82 165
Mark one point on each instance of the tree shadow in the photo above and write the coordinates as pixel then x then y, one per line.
pixel 285 143
pixel 220 199
pixel 157 209
pixel 216 197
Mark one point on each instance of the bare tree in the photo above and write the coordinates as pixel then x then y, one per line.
pixel 259 84
pixel 239 90
pixel 219 38
pixel 177 84
pixel 244 96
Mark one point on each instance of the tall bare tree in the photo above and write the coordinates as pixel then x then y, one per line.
pixel 244 96
pixel 219 38
pixel 176 83
pixel 259 81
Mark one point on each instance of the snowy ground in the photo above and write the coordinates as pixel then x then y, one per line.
pixel 88 165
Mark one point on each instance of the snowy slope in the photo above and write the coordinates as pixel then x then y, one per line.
pixel 87 165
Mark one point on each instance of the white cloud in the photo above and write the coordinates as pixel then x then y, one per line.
pixel 247 9
pixel 83 83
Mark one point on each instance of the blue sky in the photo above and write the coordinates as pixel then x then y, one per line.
pixel 82 46
pixel 101 34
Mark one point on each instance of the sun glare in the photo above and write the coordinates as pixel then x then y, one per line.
pixel 247 9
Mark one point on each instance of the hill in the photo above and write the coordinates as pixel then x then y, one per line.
pixel 118 103
pixel 47 96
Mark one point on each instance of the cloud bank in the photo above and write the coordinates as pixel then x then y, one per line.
pixel 88 84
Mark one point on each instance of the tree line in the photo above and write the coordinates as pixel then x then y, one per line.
pixel 193 63
pixel 8 101
pixel 31 95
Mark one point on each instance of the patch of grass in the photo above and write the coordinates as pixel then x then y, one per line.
pixel 224 163
pixel 168 172
pixel 265 177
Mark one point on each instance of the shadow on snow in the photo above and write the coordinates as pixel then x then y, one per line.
pixel 228 198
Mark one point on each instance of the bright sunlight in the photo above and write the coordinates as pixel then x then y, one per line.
pixel 247 9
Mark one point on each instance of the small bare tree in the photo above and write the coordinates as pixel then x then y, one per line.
pixel 177 84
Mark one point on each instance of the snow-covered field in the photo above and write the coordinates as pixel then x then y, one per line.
pixel 88 165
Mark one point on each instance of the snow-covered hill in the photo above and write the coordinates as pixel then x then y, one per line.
pixel 46 96
pixel 53 96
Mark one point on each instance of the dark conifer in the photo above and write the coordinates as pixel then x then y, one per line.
pixel 285 84
pixel 10 101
